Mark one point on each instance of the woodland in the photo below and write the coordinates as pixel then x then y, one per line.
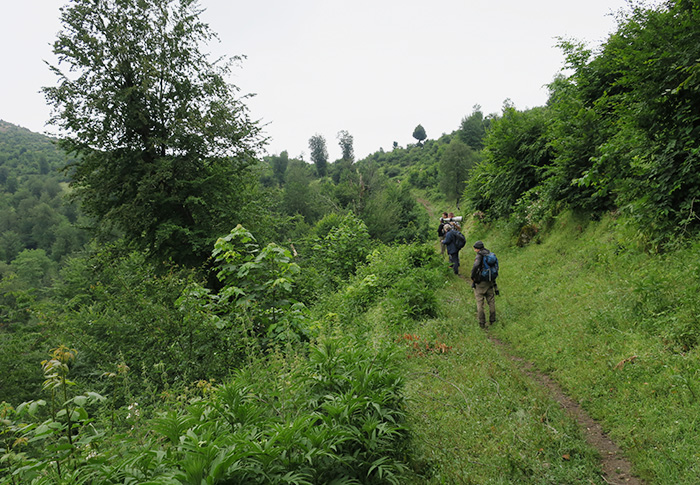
pixel 177 308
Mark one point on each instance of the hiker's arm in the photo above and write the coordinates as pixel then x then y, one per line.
pixel 476 267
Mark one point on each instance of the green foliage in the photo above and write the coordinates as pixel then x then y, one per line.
pixel 279 165
pixel 617 327
pixel 577 131
pixel 117 309
pixel 163 144
pixel 620 132
pixel 515 155
pixel 392 214
pixel 399 282
pixel 49 449
pixel 656 54
pixel 472 130
pixel 345 141
pixel 419 134
pixel 22 345
pixel 456 161
pixel 22 283
pixel 415 297
pixel 33 211
pixel 257 289
pixel 334 418
pixel 34 269
pixel 24 154
pixel 319 154
pixel 342 248
pixel 299 195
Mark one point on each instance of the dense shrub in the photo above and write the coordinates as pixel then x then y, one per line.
pixel 336 417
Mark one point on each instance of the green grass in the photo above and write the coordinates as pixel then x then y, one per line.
pixel 618 329
pixel 475 417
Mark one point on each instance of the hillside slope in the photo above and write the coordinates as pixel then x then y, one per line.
pixel 34 212
pixel 617 328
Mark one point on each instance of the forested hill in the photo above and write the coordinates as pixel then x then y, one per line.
pixel 36 220
pixel 23 153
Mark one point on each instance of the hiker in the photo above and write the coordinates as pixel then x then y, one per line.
pixel 441 233
pixel 453 242
pixel 484 282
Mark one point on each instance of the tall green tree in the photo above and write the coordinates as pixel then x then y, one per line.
pixel 319 154
pixel 455 162
pixel 279 165
pixel 472 130
pixel 163 143
pixel 516 155
pixel 297 196
pixel 419 134
pixel 345 140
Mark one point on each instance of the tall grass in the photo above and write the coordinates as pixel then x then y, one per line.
pixel 473 416
pixel 618 328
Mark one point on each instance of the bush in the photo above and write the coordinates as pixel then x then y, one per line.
pixel 336 417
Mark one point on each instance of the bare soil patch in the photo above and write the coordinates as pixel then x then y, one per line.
pixel 616 469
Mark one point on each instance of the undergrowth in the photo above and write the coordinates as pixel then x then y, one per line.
pixel 388 379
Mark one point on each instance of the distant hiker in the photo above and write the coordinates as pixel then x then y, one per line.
pixel 453 242
pixel 441 232
pixel 484 274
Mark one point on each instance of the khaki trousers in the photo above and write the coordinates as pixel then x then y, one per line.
pixel 484 291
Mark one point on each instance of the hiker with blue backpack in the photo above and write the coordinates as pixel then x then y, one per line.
pixel 484 274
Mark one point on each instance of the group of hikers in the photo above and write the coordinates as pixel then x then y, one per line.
pixel 484 270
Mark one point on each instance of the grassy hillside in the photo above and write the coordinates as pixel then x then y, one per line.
pixel 617 327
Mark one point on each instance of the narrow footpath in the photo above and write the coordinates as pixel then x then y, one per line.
pixel 616 469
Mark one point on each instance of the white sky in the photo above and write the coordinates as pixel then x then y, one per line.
pixel 376 68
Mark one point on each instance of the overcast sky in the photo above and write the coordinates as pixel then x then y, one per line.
pixel 376 68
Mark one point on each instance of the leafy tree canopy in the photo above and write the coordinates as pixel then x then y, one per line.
pixel 473 128
pixel 163 142
pixel 319 154
pixel 345 141
pixel 455 162
pixel 419 133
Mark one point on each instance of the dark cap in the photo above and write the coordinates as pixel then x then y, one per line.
pixel 479 245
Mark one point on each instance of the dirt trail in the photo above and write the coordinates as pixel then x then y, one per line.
pixel 616 469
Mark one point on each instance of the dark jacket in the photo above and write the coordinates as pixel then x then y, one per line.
pixel 450 241
pixel 441 233
pixel 476 269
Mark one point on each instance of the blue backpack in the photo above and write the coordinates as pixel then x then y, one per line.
pixel 489 267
